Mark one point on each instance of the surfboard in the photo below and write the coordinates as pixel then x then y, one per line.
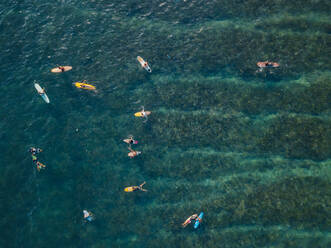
pixel 197 222
pixel 139 114
pixel 129 189
pixel 58 70
pixel 43 95
pixel 187 221
pixel 84 86
pixel 144 64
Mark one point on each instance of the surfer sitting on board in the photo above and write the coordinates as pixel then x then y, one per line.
pixel 42 91
pixel 134 188
pixel 143 113
pixel 188 221
pixel 61 68
pixel 87 215
pixel 133 153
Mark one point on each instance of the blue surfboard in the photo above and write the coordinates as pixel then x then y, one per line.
pixel 197 222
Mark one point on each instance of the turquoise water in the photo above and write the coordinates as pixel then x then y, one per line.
pixel 250 149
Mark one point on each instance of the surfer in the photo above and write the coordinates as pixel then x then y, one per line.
pixel 135 188
pixel 34 150
pixel 40 166
pixel 133 153
pixel 267 64
pixel 130 140
pixel 144 64
pixel 88 215
pixel 42 91
pixel 144 114
pixel 189 219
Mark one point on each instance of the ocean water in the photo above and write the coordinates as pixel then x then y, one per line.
pixel 250 149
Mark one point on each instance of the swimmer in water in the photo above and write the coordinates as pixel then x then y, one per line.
pixel 135 188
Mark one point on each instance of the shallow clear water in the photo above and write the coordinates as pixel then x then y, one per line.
pixel 250 149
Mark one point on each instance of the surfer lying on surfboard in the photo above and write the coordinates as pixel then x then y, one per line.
pixel 135 188
pixel 133 153
pixel 130 140
pixel 61 69
pixel 189 219
pixel 267 64
pixel 144 64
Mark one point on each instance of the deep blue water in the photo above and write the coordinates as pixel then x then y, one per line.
pixel 250 149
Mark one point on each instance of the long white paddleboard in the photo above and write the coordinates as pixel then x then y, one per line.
pixel 43 95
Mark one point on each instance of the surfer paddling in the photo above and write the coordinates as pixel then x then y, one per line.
pixel 130 141
pixel 144 64
pixel 189 219
pixel 267 64
pixel 135 188
pixel 133 153
pixel 61 68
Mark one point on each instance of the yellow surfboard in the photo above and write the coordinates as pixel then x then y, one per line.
pixel 129 189
pixel 139 114
pixel 84 86
pixel 64 68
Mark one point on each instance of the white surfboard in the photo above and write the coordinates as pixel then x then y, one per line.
pixel 40 92
pixel 144 64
